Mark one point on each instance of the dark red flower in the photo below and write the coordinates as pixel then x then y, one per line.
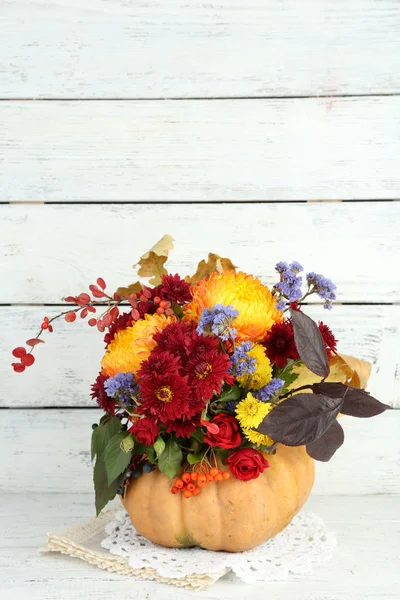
pixel 123 321
pixel 200 345
pixel 228 435
pixel 175 338
pixel 207 373
pixel 279 344
pixel 145 431
pixel 329 339
pixel 159 363
pixel 183 429
pixel 175 289
pixel 246 464
pixel 99 393
pixel 167 398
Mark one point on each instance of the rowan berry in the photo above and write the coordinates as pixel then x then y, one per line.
pixel 179 484
pixel 156 299
pixel 174 490
pixel 226 475
pixel 190 486
pixel 187 494
pixel 196 491
pixel 194 475
pixel 214 471
pixel 218 477
pixel 201 480
pixel 186 477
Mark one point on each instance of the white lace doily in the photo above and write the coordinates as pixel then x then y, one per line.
pixel 295 550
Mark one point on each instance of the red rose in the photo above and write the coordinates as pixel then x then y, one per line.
pixel 145 431
pixel 228 435
pixel 246 464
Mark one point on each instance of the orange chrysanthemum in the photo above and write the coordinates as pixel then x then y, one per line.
pixel 253 300
pixel 131 346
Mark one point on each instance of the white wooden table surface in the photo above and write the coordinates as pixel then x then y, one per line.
pixel 263 131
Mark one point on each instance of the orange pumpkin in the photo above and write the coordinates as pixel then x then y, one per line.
pixel 228 515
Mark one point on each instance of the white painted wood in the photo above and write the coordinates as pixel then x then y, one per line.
pixel 363 568
pixel 102 49
pixel 286 149
pixel 50 251
pixel 69 361
pixel 48 451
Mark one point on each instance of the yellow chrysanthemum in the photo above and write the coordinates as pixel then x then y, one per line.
pixel 263 372
pixel 132 345
pixel 259 439
pixel 252 435
pixel 250 411
pixel 253 300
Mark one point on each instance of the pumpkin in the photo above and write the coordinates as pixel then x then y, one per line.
pixel 229 515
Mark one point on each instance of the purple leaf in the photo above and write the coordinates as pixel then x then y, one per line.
pixel 325 446
pixel 309 343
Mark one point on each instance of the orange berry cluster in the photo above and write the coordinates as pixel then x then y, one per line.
pixel 190 484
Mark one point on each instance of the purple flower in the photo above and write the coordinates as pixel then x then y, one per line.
pixel 266 392
pixel 289 286
pixel 323 286
pixel 242 363
pixel 122 387
pixel 218 320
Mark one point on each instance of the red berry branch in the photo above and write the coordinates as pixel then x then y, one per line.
pixel 85 306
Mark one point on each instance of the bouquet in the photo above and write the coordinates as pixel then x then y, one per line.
pixel 214 388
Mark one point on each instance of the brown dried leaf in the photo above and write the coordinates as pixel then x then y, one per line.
pixel 215 263
pixel 133 288
pixel 343 369
pixel 151 263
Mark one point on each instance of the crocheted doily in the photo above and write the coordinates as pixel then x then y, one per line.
pixel 304 542
pixel 110 542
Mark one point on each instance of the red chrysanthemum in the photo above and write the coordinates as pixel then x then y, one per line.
pixel 183 429
pixel 99 393
pixel 175 338
pixel 159 363
pixel 123 321
pixel 167 398
pixel 207 372
pixel 175 289
pixel 200 345
pixel 279 344
pixel 329 339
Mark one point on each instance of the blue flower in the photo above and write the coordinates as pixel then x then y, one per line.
pixel 218 320
pixel 122 387
pixel 289 286
pixel 266 392
pixel 323 286
pixel 242 363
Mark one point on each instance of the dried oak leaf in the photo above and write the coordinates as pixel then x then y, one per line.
pixel 214 263
pixel 151 263
pixel 130 290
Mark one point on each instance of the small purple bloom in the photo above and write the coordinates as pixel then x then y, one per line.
pixel 242 363
pixel 324 287
pixel 289 286
pixel 266 392
pixel 218 320
pixel 122 387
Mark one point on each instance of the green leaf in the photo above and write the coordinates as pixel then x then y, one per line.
pixel 127 443
pixel 103 492
pixel 138 449
pixel 116 460
pixel 159 446
pixel 230 393
pixel 151 454
pixel 195 458
pixel 170 460
pixel 102 434
pixel 287 374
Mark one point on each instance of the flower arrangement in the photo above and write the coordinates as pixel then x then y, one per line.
pixel 204 377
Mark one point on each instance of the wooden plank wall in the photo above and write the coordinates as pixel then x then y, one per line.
pixel 265 131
